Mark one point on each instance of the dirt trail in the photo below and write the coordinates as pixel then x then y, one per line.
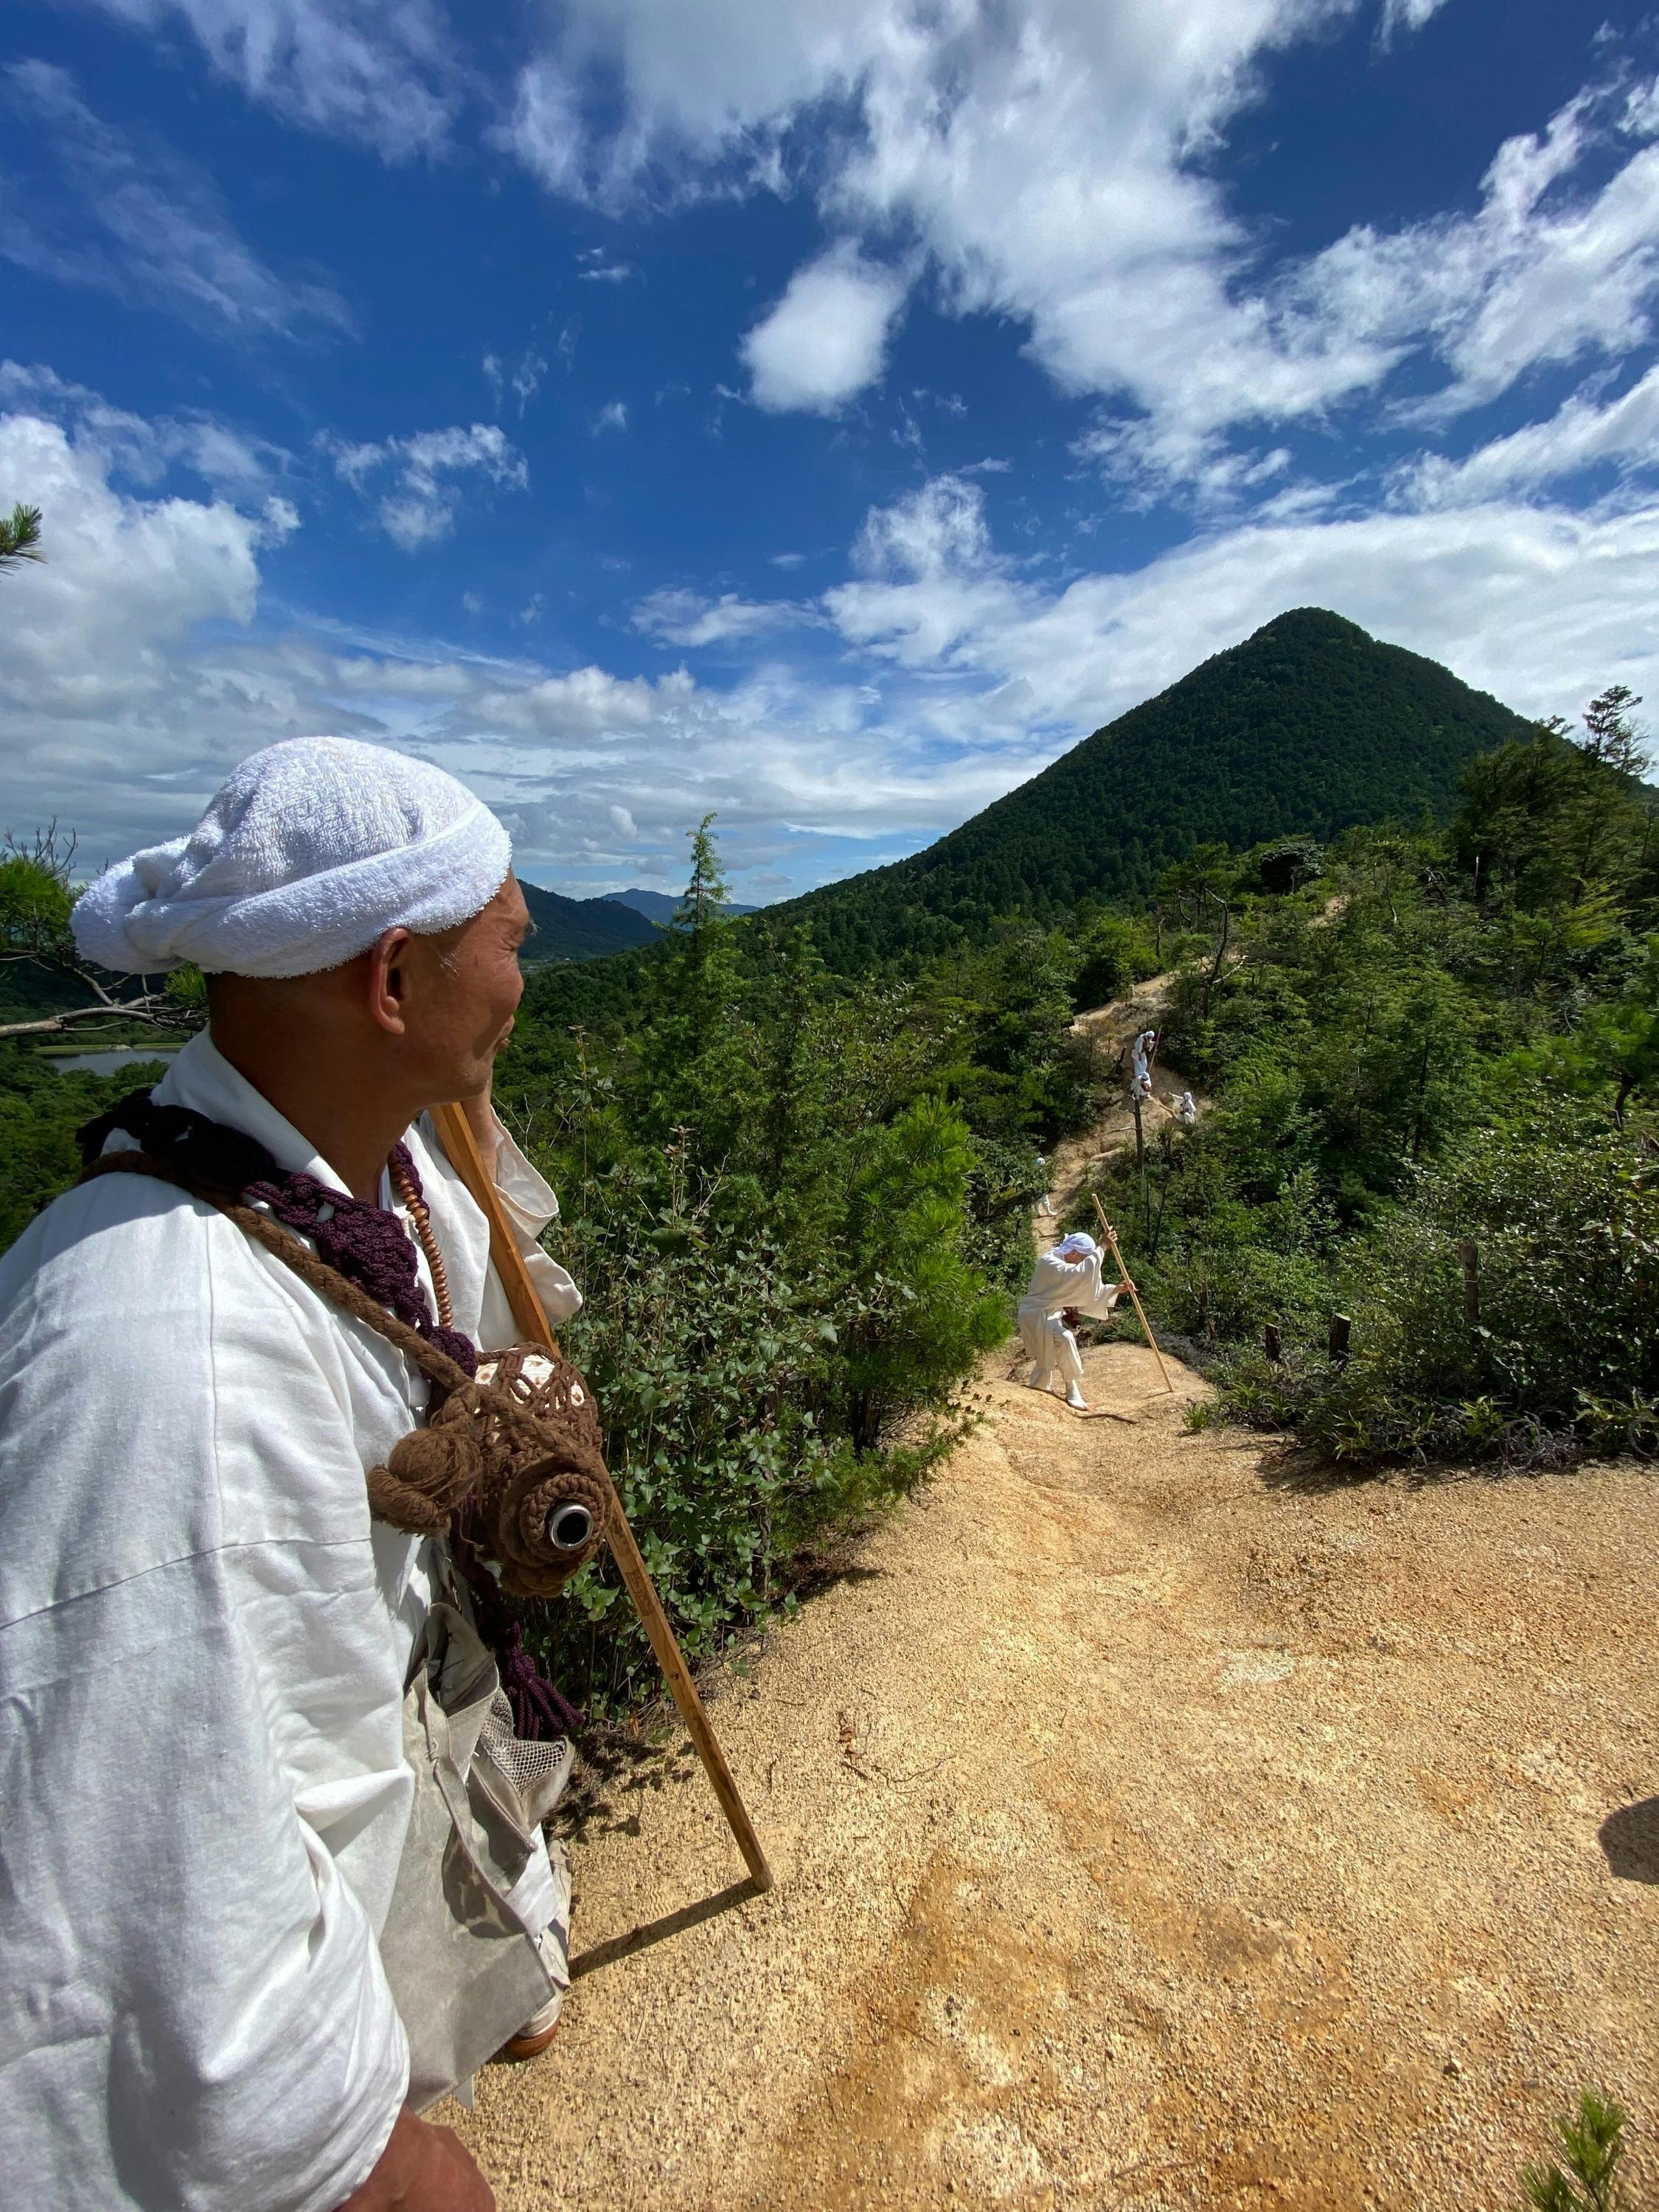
pixel 1076 1161
pixel 1150 1834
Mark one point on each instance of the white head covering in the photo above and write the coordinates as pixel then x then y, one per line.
pixel 307 853
pixel 1077 1246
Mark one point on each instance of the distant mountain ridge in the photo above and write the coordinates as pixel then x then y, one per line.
pixel 580 929
pixel 661 907
pixel 1311 724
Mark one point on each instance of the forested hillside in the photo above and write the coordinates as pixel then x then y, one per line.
pixel 1310 726
pixel 581 929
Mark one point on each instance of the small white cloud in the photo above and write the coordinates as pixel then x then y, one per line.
pixel 360 69
pixel 613 415
pixel 826 339
pixel 282 518
pixel 687 619
pixel 598 269
pixel 939 528
pixel 1406 16
pixel 625 824
pixel 473 602
pixel 531 612
pixel 420 507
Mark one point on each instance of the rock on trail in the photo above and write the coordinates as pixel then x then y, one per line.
pixel 1150 1833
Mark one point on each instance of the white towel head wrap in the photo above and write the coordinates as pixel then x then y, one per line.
pixel 1077 1246
pixel 309 851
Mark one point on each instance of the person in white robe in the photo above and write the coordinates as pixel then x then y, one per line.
pixel 1045 1203
pixel 1185 1109
pixel 203 1637
pixel 1067 1278
pixel 1141 1053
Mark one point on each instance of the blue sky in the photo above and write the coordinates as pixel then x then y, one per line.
pixel 820 411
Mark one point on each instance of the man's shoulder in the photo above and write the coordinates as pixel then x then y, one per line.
pixel 120 1226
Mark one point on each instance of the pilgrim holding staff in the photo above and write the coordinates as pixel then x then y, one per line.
pixel 1065 1288
pixel 236 1642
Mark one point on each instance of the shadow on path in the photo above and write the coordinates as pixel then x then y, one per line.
pixel 1629 1841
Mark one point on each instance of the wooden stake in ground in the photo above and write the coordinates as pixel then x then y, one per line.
pixel 461 1145
pixel 1117 1255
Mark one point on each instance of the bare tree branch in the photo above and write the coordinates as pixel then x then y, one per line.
pixel 153 1010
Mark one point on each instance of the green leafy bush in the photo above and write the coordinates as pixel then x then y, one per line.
pixel 1564 1216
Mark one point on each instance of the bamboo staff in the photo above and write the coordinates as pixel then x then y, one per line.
pixel 1111 1238
pixel 458 1141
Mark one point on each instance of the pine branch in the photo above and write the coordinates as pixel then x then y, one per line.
pixel 20 535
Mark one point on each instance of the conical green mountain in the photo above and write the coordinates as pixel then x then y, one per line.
pixel 1311 724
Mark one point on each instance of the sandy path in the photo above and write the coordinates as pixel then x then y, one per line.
pixel 1148 1836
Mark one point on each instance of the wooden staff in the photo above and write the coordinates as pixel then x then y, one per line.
pixel 1111 1238
pixel 462 1147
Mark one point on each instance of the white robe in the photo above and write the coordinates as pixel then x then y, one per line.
pixel 1056 1284
pixel 1140 1061
pixel 203 1647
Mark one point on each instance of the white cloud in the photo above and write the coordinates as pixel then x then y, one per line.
pixel 136 220
pixel 1539 275
pixel 1406 15
pixel 382 72
pixel 143 450
pixel 420 506
pixel 597 268
pixel 100 691
pixel 525 377
pixel 138 667
pixel 1537 604
pixel 826 338
pixel 613 415
pixel 1580 436
pixel 1051 162
pixel 687 619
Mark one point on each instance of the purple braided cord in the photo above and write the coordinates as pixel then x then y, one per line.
pixel 539 1713
pixel 366 1244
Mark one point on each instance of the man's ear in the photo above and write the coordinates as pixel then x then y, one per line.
pixel 388 982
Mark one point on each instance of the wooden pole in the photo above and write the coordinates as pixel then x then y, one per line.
pixel 458 1141
pixel 1468 1255
pixel 1111 1238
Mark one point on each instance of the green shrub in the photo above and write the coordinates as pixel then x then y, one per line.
pixel 1564 1215
pixel 1593 2142
pixel 1113 954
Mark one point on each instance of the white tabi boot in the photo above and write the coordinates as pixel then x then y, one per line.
pixel 1038 1379
pixel 537 2032
pixel 1075 1399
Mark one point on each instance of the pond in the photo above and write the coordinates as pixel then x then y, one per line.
pixel 110 1060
